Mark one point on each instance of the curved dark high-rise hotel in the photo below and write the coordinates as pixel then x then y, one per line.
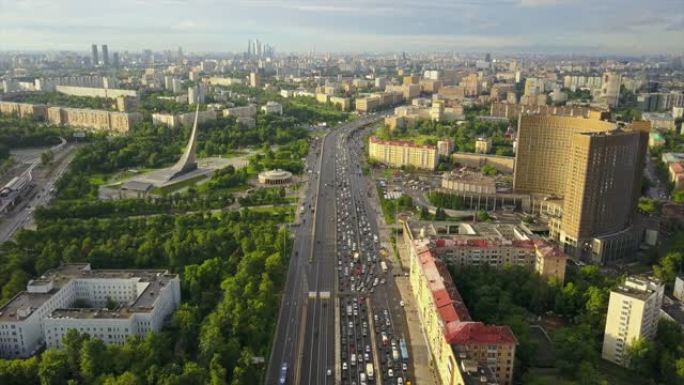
pixel 585 175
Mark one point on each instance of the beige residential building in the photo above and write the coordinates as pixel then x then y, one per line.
pixel 245 115
pixel 534 86
pixel 378 100
pixel 457 344
pixel 109 93
pixel 471 85
pixel 95 120
pixel 344 104
pixel 399 153
pixel 513 110
pixel 633 312
pixel 456 93
pixel 610 88
pixel 255 80
pixel 24 110
pixel 595 166
pixel 483 145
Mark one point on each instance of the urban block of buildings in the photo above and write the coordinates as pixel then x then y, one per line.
pixel 183 120
pixel 460 348
pixel 107 304
pixel 399 153
pixel 586 177
pixel 272 107
pixel 495 245
pixel 95 120
pixel 244 114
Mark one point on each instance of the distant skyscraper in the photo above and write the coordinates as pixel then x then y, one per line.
pixel 488 57
pixel 105 55
pixel 94 58
pixel 115 59
pixel 179 57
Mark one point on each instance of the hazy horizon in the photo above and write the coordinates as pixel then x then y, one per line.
pixel 579 27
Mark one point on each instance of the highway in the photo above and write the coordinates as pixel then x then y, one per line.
pixel 44 179
pixel 305 333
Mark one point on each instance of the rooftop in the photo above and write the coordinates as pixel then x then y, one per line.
pixel 458 325
pixel 639 287
pixel 405 143
pixel 41 289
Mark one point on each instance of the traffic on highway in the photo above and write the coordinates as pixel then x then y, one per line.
pixel 372 344
pixel 340 320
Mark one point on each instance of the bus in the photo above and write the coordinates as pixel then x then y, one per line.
pixel 283 374
pixel 404 351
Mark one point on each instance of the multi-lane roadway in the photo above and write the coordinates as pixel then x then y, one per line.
pixel 314 340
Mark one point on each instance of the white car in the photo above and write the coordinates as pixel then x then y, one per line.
pixel 390 373
pixel 344 365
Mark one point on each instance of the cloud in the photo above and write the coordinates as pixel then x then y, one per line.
pixel 542 3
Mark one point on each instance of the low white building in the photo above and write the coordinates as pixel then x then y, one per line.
pixel 272 108
pixel 76 297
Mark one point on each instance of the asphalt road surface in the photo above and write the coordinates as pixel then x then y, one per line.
pixel 305 333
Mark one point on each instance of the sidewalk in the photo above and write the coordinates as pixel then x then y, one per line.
pixel 422 373
pixel 420 354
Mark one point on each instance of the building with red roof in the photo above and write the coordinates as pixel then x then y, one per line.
pixel 456 341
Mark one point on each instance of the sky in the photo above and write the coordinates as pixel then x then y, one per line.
pixel 620 27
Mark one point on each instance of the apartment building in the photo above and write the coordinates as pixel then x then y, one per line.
pixel 595 167
pixel 89 81
pixel 183 120
pixel 399 153
pixel 24 110
pixel 245 115
pixel 94 120
pixel 633 312
pixel 119 303
pixel 514 110
pixel 456 342
pixel 378 100
pixel 495 245
pixel 110 93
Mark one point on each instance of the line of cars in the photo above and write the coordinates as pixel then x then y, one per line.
pixel 366 328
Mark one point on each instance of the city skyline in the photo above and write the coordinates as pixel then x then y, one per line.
pixel 532 26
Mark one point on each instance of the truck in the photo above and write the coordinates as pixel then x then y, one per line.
pixel 383 264
pixel 395 354
pixel 369 371
pixel 349 310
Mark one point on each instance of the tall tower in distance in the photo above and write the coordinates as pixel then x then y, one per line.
pixel 94 58
pixel 105 55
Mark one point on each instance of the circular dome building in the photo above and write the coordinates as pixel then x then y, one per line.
pixel 275 177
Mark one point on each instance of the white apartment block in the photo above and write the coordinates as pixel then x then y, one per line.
pixel 633 313
pixel 90 81
pixel 272 108
pixel 76 297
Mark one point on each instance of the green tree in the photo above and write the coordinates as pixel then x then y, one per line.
pixel 53 368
